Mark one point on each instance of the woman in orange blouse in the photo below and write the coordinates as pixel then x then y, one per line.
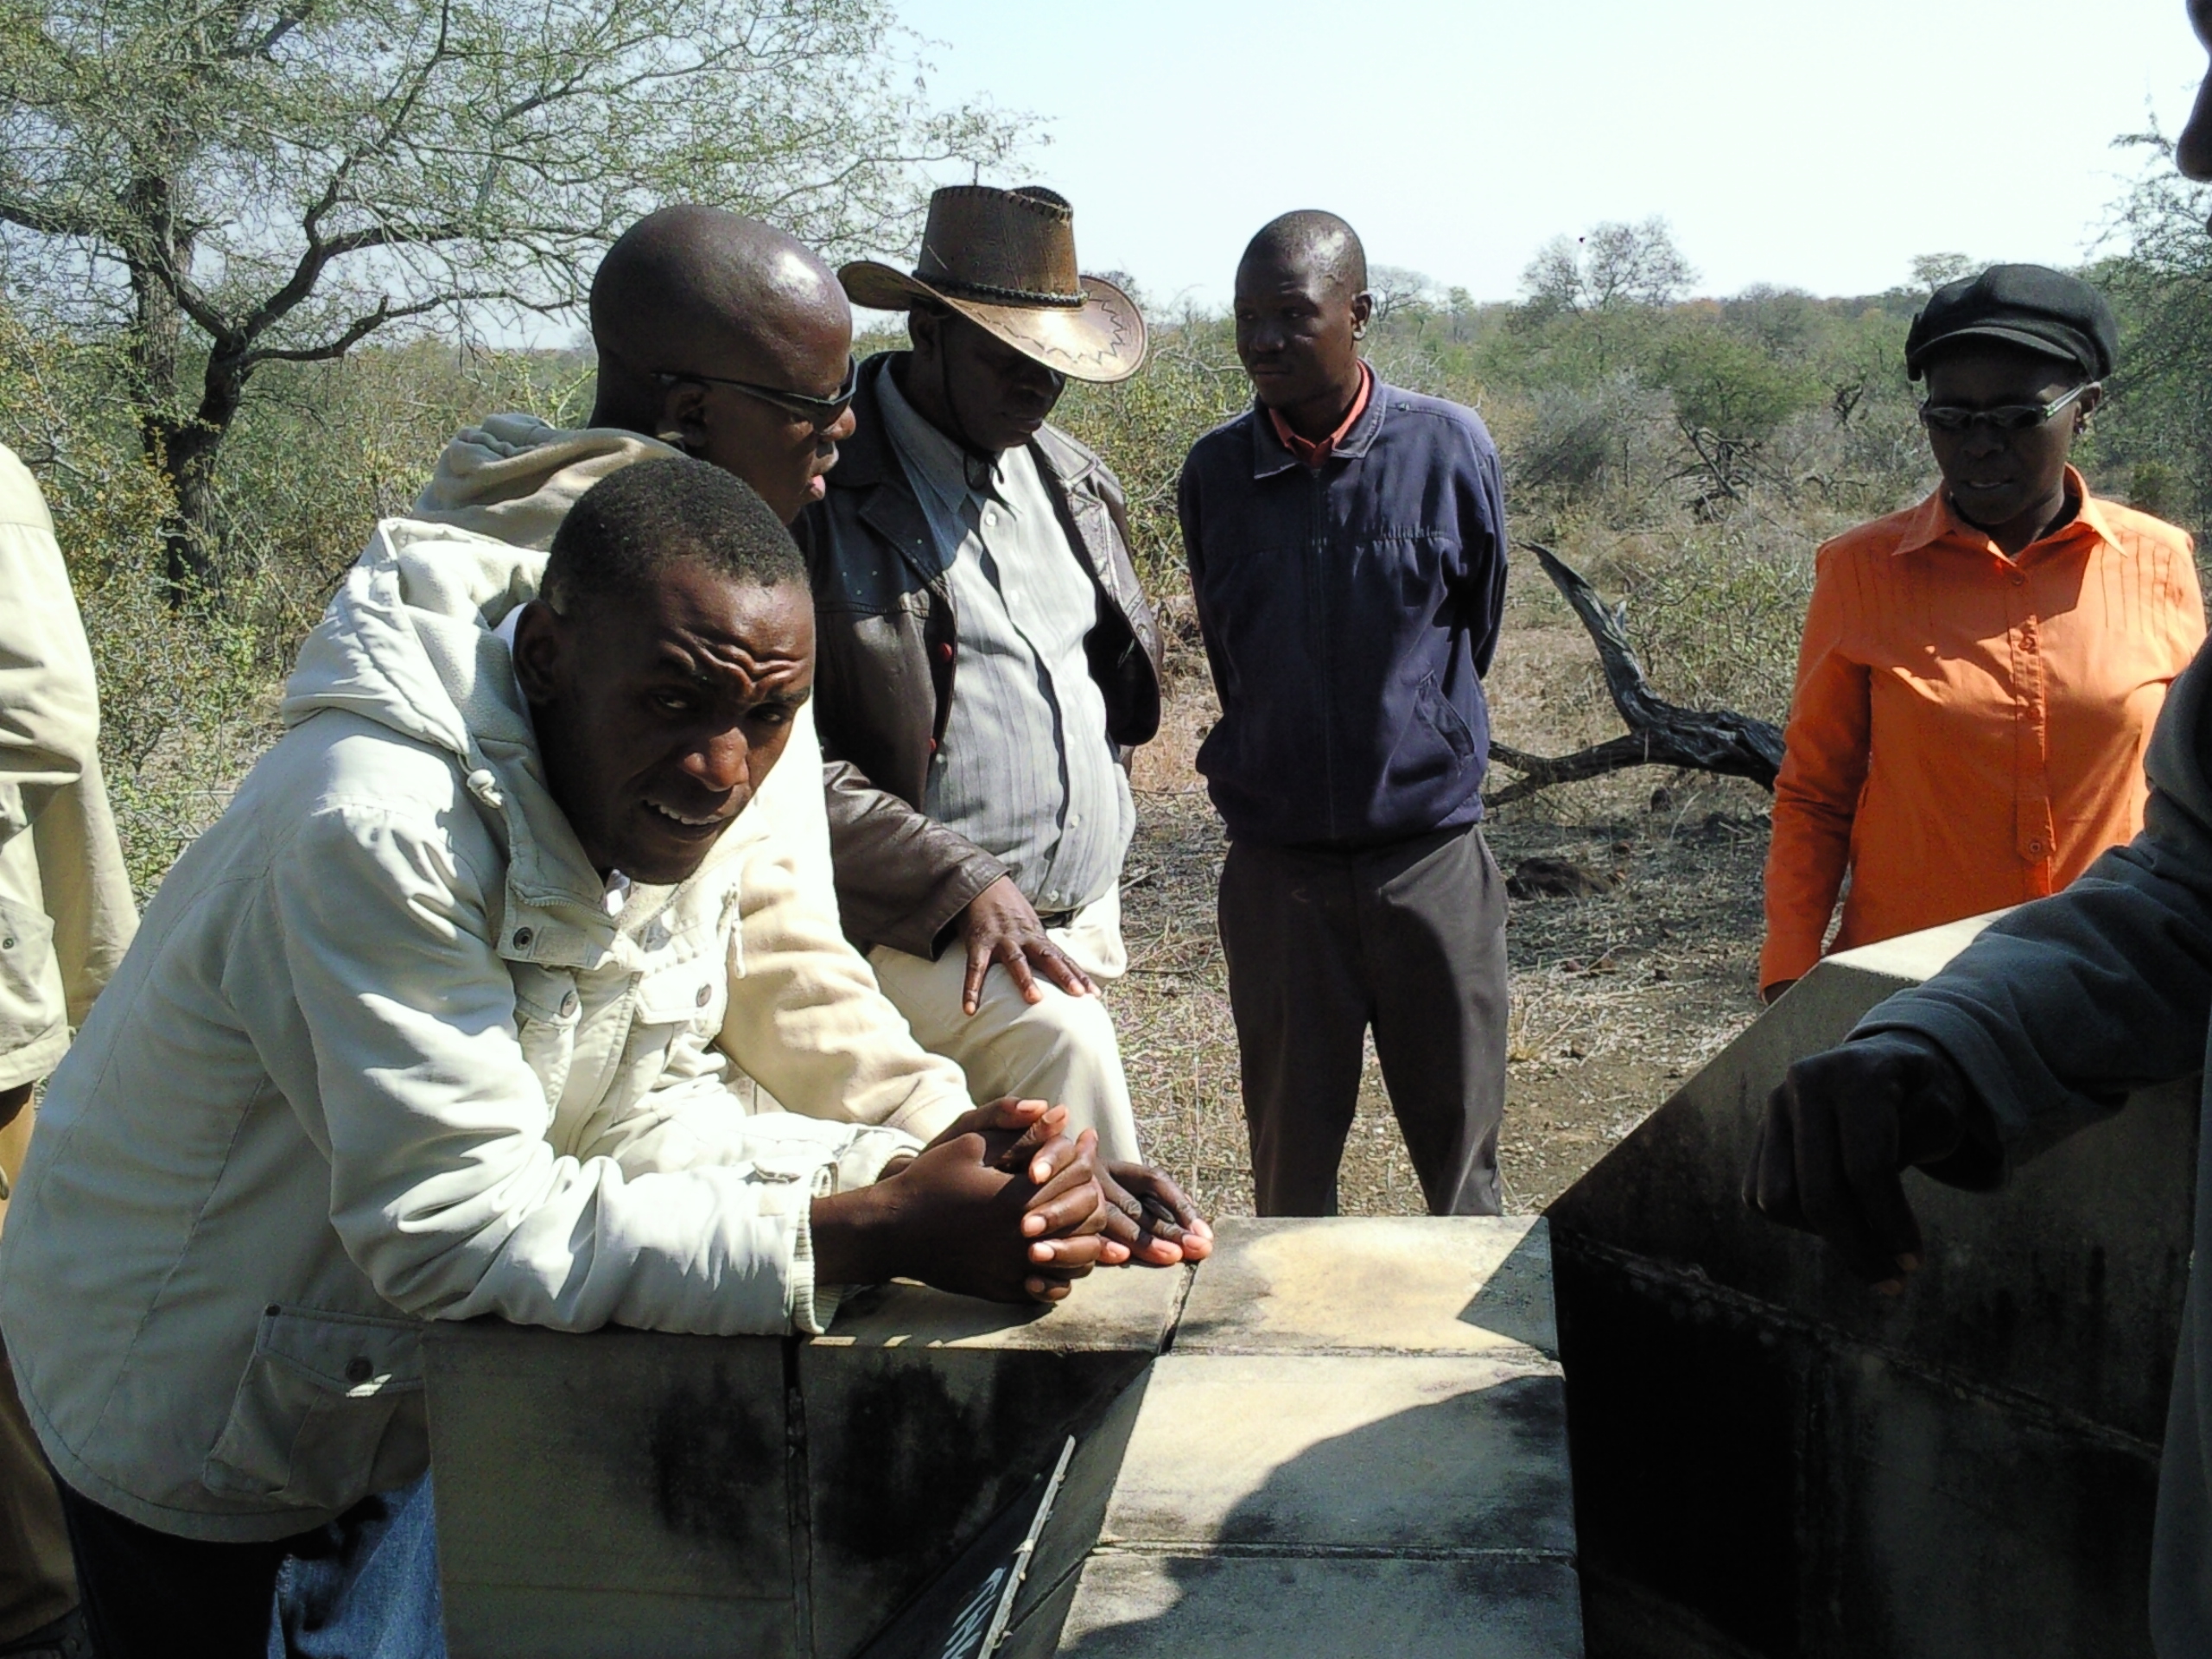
pixel 1980 675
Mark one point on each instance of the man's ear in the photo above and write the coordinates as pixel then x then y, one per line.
pixel 541 649
pixel 925 329
pixel 682 421
pixel 1363 309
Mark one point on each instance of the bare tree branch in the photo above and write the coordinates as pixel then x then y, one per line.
pixel 1660 732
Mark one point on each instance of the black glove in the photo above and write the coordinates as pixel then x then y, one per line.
pixel 1842 1127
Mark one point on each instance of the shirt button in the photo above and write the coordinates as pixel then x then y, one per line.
pixel 944 651
pixel 990 518
pixel 2019 579
pixel 2036 848
pixel 522 937
pixel 706 996
pixel 569 1005
pixel 358 1371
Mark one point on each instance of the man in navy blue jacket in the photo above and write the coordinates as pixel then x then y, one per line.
pixel 1346 543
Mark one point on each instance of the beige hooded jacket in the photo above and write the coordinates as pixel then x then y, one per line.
pixel 66 910
pixel 514 477
pixel 380 1054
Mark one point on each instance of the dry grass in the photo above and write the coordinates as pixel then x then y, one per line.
pixel 1615 999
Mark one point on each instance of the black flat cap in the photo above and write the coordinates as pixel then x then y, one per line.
pixel 2029 306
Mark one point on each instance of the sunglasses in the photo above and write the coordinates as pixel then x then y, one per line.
pixel 820 413
pixel 2006 417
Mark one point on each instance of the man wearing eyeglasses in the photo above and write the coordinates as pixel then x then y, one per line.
pixel 720 338
pixel 1980 674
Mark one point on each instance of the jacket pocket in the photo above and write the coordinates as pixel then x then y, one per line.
pixel 694 992
pixel 547 1010
pixel 330 1409
pixel 30 1003
pixel 1446 720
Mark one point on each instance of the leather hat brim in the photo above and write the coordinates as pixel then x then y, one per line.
pixel 1101 340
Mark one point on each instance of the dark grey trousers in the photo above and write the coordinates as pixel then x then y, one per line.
pixel 1409 938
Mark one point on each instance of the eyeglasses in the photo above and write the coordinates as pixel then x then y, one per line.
pixel 820 413
pixel 2006 417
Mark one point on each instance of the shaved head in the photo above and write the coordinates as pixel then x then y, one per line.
pixel 1313 241
pixel 689 276
pixel 691 299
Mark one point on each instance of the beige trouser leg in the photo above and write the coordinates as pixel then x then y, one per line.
pixel 1061 1050
pixel 38 1582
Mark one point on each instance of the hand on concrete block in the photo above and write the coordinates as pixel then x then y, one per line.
pixel 1002 1206
pixel 1839 1134
pixel 1151 1216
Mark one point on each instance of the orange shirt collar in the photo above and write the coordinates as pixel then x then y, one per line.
pixel 1314 451
pixel 1933 520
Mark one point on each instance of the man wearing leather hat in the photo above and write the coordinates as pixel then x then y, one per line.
pixel 986 658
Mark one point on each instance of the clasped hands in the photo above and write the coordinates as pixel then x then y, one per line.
pixel 1005 1204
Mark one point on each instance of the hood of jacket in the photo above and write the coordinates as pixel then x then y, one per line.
pixel 408 642
pixel 515 477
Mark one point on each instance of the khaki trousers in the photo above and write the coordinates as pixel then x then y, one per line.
pixel 1061 1050
pixel 38 1581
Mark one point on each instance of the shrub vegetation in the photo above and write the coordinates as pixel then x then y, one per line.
pixel 1687 453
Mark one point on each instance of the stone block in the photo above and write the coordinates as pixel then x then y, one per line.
pixel 1769 1460
pixel 927 1413
pixel 1409 1285
pixel 1325 1453
pixel 1079 1513
pixel 1269 1607
pixel 1299 1478
pixel 1125 1309
pixel 593 1489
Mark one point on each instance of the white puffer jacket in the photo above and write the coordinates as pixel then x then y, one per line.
pixel 379 1054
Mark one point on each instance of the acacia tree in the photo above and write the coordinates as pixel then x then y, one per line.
pixel 1610 266
pixel 237 183
pixel 2157 268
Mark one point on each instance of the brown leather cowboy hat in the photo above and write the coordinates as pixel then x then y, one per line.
pixel 1005 259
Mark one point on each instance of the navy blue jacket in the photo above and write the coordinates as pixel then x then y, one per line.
pixel 1349 613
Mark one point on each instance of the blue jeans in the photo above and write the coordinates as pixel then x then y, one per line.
pixel 364 1587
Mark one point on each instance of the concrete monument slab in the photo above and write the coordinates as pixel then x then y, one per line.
pixel 1415 1285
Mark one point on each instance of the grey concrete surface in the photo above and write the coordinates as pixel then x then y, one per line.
pixel 628 1469
pixel 1264 1607
pixel 1770 1461
pixel 1361 1411
pixel 1342 1452
pixel 1415 1285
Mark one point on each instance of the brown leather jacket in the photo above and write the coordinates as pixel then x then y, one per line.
pixel 886 644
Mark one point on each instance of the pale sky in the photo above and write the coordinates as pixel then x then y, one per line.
pixel 1818 146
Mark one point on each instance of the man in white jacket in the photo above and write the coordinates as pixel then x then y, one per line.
pixel 722 338
pixel 65 916
pixel 430 1025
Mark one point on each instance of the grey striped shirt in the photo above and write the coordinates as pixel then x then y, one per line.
pixel 1026 770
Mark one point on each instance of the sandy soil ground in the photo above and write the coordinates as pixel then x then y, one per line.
pixel 1616 998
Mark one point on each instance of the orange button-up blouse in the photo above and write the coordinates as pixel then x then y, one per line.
pixel 1968 730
